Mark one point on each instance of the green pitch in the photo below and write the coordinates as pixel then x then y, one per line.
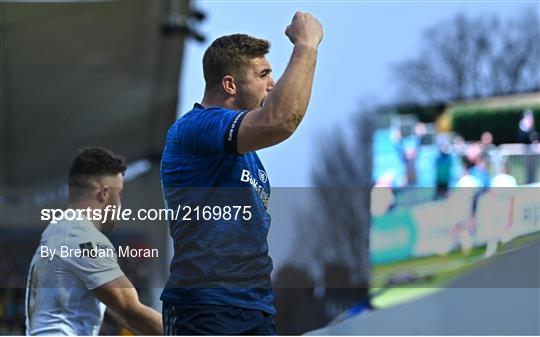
pixel 420 277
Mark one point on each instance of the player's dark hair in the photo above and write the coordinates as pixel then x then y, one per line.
pixel 228 55
pixel 91 163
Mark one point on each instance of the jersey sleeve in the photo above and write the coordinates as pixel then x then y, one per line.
pixel 211 131
pixel 94 269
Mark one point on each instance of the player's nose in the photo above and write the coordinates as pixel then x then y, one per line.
pixel 270 85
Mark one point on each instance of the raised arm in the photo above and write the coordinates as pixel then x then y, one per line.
pixel 287 103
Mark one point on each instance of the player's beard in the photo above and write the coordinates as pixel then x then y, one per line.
pixel 110 224
pixel 249 101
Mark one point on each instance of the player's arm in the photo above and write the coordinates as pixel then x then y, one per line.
pixel 122 299
pixel 287 103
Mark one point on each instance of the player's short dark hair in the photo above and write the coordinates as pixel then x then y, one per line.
pixel 228 55
pixel 94 162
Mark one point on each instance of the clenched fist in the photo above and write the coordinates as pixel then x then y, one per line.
pixel 305 29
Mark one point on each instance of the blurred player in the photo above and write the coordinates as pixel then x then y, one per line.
pixel 220 273
pixel 66 295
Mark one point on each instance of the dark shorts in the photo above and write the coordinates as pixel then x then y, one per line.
pixel 209 319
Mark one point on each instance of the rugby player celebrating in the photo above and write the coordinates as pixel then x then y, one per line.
pixel 220 273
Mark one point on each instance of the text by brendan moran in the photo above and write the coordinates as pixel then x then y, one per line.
pixel 97 252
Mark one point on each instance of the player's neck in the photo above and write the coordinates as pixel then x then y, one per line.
pixel 213 99
pixel 85 205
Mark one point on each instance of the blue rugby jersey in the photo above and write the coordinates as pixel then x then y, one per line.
pixel 224 260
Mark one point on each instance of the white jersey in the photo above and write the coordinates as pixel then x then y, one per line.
pixel 58 296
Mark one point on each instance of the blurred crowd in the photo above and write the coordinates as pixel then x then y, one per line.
pixel 16 250
pixel 474 164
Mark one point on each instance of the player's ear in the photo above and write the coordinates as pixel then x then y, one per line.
pixel 229 85
pixel 103 194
